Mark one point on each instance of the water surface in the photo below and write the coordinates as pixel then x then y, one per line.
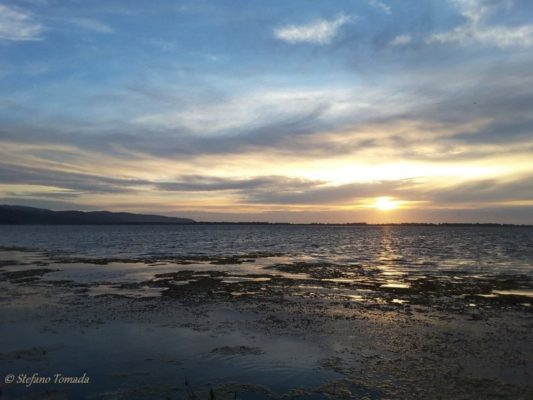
pixel 500 249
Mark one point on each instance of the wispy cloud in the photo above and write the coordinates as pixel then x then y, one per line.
pixel 251 110
pixel 91 24
pixel 498 36
pixel 18 25
pixel 476 30
pixel 382 6
pixel 265 109
pixel 320 31
pixel 401 40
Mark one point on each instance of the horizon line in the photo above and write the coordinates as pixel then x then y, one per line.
pixel 191 221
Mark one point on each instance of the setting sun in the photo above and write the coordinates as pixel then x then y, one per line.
pixel 385 203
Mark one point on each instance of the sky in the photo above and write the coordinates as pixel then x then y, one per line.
pixel 281 111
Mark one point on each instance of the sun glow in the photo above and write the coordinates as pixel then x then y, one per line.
pixel 385 203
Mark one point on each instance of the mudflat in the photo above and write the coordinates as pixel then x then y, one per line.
pixel 259 326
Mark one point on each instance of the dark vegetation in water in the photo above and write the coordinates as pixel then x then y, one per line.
pixel 180 260
pixel 26 275
pixel 452 290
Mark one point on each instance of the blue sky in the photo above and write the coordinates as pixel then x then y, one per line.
pixel 266 110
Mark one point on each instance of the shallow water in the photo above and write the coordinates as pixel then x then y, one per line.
pixel 144 355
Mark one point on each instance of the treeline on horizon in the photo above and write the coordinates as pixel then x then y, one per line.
pixel 367 224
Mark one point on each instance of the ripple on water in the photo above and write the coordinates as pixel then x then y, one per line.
pixel 517 292
pixel 396 285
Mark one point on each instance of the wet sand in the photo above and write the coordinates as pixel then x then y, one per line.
pixel 261 326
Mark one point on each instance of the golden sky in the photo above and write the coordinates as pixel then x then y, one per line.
pixel 306 112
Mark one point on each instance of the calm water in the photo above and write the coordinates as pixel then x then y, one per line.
pixel 494 249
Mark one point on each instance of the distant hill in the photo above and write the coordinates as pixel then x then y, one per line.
pixel 29 215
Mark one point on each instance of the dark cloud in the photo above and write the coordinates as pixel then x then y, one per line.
pixel 79 183
pixel 484 191
pixel 196 183
pixel 10 174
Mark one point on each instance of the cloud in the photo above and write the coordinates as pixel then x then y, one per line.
pixel 320 31
pixel 401 40
pixel 18 25
pixel 418 120
pixel 476 29
pixel 484 114
pixel 250 110
pixel 40 201
pixel 87 183
pixel 266 111
pixel 382 6
pixel 475 10
pixel 498 36
pixel 91 24
pixel 321 194
pixel 61 185
pixel 199 183
pixel 486 191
